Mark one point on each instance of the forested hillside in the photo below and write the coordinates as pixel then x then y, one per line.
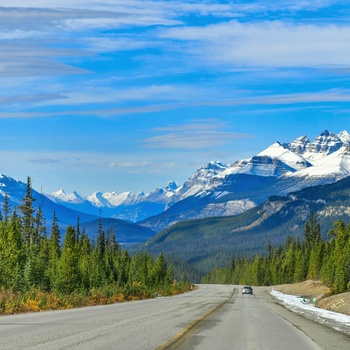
pixel 37 272
pixel 211 242
pixel 295 261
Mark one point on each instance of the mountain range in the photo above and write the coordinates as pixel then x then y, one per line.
pixel 211 242
pixel 278 170
pixel 214 190
pixel 16 191
pixel 220 189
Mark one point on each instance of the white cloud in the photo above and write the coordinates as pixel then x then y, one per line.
pixel 29 98
pixel 330 96
pixel 196 124
pixel 267 43
pixel 194 135
pixel 27 58
pixel 189 140
pixel 129 164
pixel 223 45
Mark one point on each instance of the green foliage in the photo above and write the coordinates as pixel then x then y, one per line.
pixel 314 258
pixel 211 242
pixel 33 265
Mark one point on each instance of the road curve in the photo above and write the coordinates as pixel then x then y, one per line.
pixel 212 317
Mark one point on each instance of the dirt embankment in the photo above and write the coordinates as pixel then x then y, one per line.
pixel 322 293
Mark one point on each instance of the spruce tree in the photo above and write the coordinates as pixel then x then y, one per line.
pixel 27 211
pixel 68 278
pixel 54 251
pixel 6 208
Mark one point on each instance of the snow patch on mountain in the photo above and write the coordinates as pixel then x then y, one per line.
pixel 345 137
pixel 299 145
pixel 116 199
pixel 335 166
pixel 98 200
pixel 290 160
pixel 275 160
pixel 201 179
pixel 61 196
pixel 323 145
pixel 234 207
pixel 295 165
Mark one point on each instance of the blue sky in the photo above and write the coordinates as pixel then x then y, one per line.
pixel 123 95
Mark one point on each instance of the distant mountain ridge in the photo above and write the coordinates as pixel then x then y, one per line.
pixel 222 209
pixel 136 207
pixel 220 189
pixel 16 191
pixel 211 242
pixel 214 190
pixel 275 171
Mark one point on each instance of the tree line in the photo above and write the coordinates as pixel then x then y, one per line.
pixel 33 260
pixel 327 260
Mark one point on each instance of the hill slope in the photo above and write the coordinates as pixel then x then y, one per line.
pixel 210 242
pixel 125 232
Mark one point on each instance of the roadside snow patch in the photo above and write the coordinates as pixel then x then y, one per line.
pixel 296 304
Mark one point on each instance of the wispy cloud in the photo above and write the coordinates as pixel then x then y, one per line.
pixel 140 165
pixel 129 164
pixel 44 161
pixel 264 44
pixel 27 58
pixel 195 135
pixel 328 96
pixel 189 140
pixel 29 98
pixel 52 160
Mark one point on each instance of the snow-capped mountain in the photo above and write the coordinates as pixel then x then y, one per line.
pixel 126 206
pixel 223 189
pixel 278 170
pixel 62 196
pixel 323 145
pixel 16 191
pixel 330 169
pixel 200 180
pixel 276 160
pixel 136 207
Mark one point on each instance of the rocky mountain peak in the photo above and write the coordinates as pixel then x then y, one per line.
pixel 344 136
pixel 323 145
pixel 299 145
pixel 171 186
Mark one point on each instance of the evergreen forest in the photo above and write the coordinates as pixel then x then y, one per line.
pixel 39 272
pixel 314 258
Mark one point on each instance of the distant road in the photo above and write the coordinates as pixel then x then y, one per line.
pixel 212 317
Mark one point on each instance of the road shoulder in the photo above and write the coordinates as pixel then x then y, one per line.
pixel 326 337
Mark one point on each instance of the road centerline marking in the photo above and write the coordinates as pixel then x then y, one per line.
pixel 179 337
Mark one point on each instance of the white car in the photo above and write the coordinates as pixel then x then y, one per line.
pixel 247 290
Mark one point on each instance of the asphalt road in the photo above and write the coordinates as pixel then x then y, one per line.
pixel 212 317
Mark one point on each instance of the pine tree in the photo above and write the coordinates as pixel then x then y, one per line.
pixel 54 251
pixel 6 208
pixel 159 270
pixel 85 261
pixel 27 214
pixel 101 242
pixel 12 254
pixel 312 231
pixel 112 249
pixel 68 278
pixel 341 256
pixel 327 272
pixel 315 263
